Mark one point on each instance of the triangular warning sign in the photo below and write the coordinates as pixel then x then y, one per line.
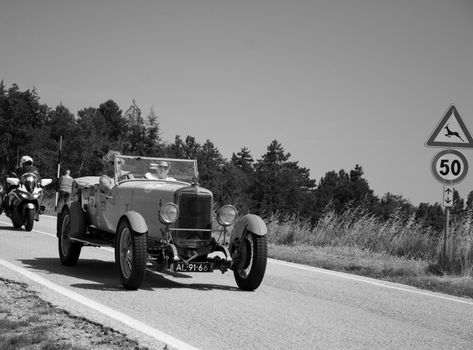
pixel 451 132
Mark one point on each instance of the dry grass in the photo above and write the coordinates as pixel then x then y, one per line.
pixel 357 229
pixel 400 250
pixel 459 246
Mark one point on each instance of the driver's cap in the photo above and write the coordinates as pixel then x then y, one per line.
pixel 162 164
pixel 159 164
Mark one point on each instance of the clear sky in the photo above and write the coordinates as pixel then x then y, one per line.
pixel 337 82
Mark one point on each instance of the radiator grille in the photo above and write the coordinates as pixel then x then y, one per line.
pixel 195 211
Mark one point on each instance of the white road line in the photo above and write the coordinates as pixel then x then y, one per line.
pixel 369 281
pixel 347 276
pixel 116 315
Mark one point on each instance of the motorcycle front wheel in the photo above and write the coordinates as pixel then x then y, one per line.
pixel 29 219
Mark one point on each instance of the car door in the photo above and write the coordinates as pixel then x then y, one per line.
pixel 116 203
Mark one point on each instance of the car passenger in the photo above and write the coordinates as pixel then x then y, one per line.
pixel 106 181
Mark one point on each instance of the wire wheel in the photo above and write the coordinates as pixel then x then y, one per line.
pixel 130 256
pixel 251 263
pixel 68 251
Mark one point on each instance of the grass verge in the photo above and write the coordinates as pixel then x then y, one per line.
pixel 400 249
pixel 382 266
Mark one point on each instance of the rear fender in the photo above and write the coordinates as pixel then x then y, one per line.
pixel 137 222
pixel 78 219
pixel 250 222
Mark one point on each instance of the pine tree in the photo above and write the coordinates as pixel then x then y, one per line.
pixel 280 185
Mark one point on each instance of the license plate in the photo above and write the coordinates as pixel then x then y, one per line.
pixel 193 267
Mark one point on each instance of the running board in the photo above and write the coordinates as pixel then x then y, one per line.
pixel 94 243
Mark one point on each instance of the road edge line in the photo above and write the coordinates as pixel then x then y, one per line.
pixel 107 311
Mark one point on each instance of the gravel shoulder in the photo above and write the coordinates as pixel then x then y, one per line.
pixel 29 322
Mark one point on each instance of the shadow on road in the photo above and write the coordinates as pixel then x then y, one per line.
pixel 103 275
pixel 9 228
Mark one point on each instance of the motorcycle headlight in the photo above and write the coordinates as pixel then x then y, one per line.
pixel 227 215
pixel 169 213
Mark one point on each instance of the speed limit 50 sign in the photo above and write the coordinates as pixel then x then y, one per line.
pixel 449 167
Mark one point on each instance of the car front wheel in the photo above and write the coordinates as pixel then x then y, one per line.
pixel 250 263
pixel 130 256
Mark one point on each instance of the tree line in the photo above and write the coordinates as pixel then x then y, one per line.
pixel 272 184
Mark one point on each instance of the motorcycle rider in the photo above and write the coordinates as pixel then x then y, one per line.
pixel 26 166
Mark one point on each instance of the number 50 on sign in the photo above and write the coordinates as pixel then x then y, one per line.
pixel 449 167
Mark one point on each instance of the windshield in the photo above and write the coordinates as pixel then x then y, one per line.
pixel 145 168
pixel 29 180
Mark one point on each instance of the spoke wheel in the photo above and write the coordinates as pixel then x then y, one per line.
pixel 68 251
pixel 250 265
pixel 130 256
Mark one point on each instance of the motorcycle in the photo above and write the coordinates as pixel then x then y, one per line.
pixel 1 197
pixel 23 200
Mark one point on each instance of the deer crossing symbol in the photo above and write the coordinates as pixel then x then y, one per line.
pixel 451 133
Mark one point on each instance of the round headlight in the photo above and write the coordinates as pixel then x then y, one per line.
pixel 227 215
pixel 168 213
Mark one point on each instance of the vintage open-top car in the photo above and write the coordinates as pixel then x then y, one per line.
pixel 160 224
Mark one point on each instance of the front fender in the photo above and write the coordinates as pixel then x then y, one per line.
pixel 137 222
pixel 30 206
pixel 250 222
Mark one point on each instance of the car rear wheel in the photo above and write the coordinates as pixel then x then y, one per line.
pixel 130 255
pixel 250 265
pixel 69 251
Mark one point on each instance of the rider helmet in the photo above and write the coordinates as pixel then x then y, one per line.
pixel 26 159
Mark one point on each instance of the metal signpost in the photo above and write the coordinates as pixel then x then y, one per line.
pixel 448 196
pixel 449 166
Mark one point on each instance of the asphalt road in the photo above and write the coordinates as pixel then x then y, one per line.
pixel 296 307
